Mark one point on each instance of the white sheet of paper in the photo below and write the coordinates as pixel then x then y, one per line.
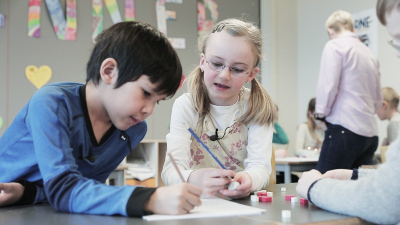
pixel 212 207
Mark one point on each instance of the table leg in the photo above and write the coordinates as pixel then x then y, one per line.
pixel 288 174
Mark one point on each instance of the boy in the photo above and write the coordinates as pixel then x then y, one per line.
pixel 69 137
pixel 390 112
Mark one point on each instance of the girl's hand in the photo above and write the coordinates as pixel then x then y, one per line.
pixel 243 190
pixel 10 193
pixel 211 180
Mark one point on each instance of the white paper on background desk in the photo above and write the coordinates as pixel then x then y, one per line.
pixel 212 207
pixel 140 171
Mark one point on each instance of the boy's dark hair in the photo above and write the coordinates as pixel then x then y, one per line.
pixel 138 49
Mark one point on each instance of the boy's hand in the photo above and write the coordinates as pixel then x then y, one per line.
pixel 10 193
pixel 211 180
pixel 243 190
pixel 176 199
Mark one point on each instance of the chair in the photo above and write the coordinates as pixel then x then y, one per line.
pixel 383 150
pixel 272 178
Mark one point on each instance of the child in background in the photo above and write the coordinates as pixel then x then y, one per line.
pixel 279 136
pixel 279 139
pixel 369 194
pixel 69 137
pixel 310 134
pixel 234 122
pixel 390 112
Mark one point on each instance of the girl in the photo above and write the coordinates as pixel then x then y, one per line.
pixel 310 134
pixel 233 121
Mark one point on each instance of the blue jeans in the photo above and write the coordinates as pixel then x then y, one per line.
pixel 343 149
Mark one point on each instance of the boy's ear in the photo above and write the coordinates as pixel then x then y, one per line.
pixel 109 70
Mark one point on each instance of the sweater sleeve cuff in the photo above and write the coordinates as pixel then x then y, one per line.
pixel 309 190
pixel 354 176
pixel 137 200
pixel 29 195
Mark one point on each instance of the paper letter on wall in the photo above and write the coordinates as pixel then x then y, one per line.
pixel 34 18
pixel 203 24
pixel 112 7
pixel 65 28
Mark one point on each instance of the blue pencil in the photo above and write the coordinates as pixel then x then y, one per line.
pixel 205 146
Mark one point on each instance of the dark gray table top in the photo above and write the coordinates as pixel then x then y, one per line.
pixel 44 214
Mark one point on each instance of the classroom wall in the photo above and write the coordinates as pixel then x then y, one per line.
pixel 68 58
pixel 3 70
pixel 295 30
pixel 279 69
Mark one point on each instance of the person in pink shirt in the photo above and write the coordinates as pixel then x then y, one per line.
pixel 348 96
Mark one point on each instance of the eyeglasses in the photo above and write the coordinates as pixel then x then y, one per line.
pixel 394 45
pixel 218 67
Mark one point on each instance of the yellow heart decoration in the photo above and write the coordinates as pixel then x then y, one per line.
pixel 38 77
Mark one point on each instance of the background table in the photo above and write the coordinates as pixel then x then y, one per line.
pixel 44 214
pixel 289 164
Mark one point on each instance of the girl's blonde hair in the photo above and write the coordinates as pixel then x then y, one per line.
pixel 261 109
pixel 385 6
pixel 340 20
pixel 310 122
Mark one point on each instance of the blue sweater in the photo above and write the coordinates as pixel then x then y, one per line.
pixel 51 144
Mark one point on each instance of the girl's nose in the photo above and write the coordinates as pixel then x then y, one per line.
pixel 225 73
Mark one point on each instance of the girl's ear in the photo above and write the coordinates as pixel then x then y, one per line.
pixel 253 74
pixel 202 61
pixel 109 71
